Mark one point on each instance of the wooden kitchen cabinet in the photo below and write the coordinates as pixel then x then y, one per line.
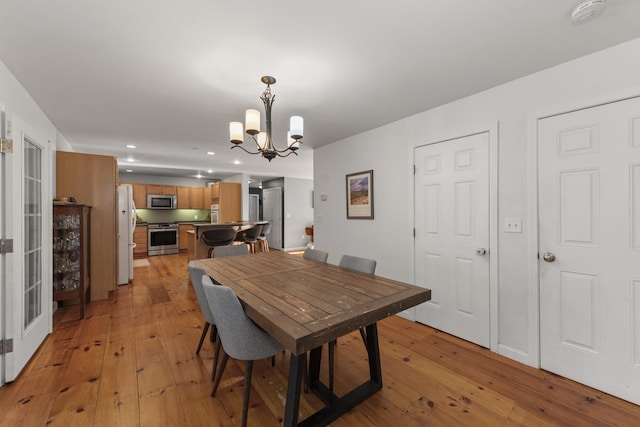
pixel 91 179
pixel 162 189
pixel 140 236
pixel 228 197
pixel 184 197
pixel 197 198
pixel 183 240
pixel 71 268
pixel 140 195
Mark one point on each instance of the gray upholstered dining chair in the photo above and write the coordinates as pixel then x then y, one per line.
pixel 240 337
pixel 363 265
pixel 196 274
pixel 315 254
pixel 230 250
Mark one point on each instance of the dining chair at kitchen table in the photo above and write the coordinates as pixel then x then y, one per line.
pixel 217 237
pixel 196 274
pixel 240 337
pixel 230 250
pixel 363 265
pixel 315 254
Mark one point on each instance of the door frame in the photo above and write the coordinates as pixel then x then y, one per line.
pixel 492 129
pixel 533 265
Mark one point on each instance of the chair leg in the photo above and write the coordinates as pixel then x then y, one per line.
pixel 219 374
pixel 247 390
pixel 204 334
pixel 214 333
pixel 332 349
pixel 216 353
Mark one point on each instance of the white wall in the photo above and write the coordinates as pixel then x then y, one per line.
pixel 298 211
pixel 388 151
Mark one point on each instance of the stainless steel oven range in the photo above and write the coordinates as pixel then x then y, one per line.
pixel 163 239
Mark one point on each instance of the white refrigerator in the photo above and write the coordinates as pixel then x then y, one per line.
pixel 126 225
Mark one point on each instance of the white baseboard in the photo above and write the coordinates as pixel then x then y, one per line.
pixel 514 354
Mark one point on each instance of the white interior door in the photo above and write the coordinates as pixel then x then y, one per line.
pixel 28 296
pixel 452 236
pixel 6 260
pixel 589 221
pixel 272 211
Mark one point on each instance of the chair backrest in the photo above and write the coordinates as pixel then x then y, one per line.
pixel 230 250
pixel 219 237
pixel 315 254
pixel 251 234
pixel 240 337
pixel 196 274
pixel 363 265
pixel 266 229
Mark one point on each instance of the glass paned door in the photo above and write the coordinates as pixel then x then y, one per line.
pixel 32 232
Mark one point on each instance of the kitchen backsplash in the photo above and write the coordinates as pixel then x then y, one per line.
pixel 173 215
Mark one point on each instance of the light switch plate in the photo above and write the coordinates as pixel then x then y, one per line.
pixel 513 225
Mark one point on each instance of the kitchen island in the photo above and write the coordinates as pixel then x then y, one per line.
pixel 198 250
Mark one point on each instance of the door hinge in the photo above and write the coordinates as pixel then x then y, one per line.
pixel 414 169
pixel 6 346
pixel 6 146
pixel 6 246
pixel 414 232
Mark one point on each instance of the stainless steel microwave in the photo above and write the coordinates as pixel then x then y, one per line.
pixel 161 201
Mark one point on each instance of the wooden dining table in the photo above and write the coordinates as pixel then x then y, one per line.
pixel 304 304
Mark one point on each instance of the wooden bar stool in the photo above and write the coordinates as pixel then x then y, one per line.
pixel 250 236
pixel 263 243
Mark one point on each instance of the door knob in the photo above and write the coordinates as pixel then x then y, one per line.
pixel 481 251
pixel 549 257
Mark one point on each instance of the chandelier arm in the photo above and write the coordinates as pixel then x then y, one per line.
pixel 285 155
pixel 247 151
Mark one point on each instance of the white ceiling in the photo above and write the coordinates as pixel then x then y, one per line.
pixel 168 75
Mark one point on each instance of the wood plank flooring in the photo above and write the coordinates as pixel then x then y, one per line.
pixel 132 362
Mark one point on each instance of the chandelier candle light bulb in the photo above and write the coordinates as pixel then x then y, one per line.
pixel 263 140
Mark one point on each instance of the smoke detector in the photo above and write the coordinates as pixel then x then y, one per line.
pixel 587 10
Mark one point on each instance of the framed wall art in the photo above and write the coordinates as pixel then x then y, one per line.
pixel 360 195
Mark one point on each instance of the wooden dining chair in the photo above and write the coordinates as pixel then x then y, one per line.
pixel 196 274
pixel 240 337
pixel 363 265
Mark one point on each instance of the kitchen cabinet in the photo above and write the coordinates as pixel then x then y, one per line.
pixel 198 200
pixel 71 269
pixel 162 189
pixel 91 179
pixel 140 195
pixel 184 197
pixel 183 240
pixel 140 236
pixel 228 197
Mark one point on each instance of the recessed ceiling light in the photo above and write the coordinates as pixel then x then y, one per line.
pixel 198 176
pixel 236 162
pixel 210 153
pixel 210 171
pixel 587 10
pixel 130 160
pixel 129 170
pixel 130 146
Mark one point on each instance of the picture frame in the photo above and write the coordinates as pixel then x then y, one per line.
pixel 360 195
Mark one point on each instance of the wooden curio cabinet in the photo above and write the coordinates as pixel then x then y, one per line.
pixel 71 275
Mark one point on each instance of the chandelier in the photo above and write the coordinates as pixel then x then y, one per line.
pixel 263 140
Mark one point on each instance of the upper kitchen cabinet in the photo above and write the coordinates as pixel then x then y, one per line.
pixel 91 180
pixel 162 189
pixel 198 200
pixel 140 195
pixel 184 197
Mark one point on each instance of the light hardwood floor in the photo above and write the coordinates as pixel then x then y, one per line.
pixel 132 362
